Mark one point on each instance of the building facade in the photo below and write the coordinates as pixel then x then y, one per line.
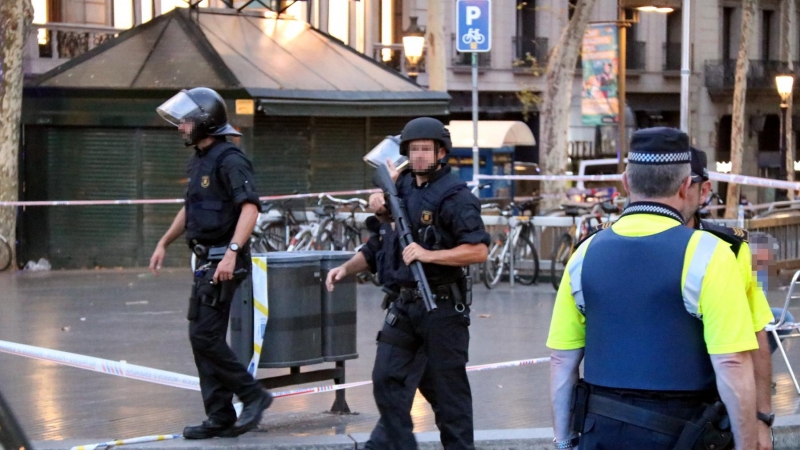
pixel 524 32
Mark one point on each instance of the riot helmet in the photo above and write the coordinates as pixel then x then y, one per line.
pixel 426 128
pixel 203 108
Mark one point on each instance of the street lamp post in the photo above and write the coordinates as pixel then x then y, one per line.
pixel 658 6
pixel 413 46
pixel 784 84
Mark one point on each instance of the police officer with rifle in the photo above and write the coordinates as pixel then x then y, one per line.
pixel 447 235
pixel 663 329
pixel 219 214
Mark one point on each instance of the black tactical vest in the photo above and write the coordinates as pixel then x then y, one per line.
pixel 211 214
pixel 423 205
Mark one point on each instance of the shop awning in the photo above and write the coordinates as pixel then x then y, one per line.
pixel 491 133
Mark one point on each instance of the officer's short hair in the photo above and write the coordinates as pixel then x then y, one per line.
pixel 656 181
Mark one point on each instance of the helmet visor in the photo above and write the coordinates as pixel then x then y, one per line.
pixel 178 108
pixel 389 148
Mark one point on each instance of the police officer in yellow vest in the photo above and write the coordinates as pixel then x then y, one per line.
pixel 664 332
pixel 760 312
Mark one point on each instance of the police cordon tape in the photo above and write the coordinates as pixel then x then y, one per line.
pixel 157 376
pixel 314 390
pixel 137 440
pixel 715 176
pixel 158 201
pixel 147 374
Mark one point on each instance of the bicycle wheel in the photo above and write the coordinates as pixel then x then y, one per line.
pixel 493 267
pixel 558 261
pixel 274 237
pixel 5 254
pixel 352 239
pixel 526 262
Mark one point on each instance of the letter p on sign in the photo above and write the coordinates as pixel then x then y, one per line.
pixel 473 12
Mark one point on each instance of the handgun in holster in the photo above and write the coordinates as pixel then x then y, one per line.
pixel 711 430
pixel 389 298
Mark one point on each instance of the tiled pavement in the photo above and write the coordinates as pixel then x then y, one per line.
pixel 134 316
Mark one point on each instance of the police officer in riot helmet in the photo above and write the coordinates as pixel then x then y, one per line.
pixel 449 235
pixel 219 214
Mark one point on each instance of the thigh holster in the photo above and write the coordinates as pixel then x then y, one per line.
pixel 398 331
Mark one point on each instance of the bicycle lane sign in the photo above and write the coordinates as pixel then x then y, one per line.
pixel 473 26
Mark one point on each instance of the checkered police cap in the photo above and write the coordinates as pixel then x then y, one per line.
pixel 656 146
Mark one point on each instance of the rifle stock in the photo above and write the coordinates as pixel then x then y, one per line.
pixel 403 229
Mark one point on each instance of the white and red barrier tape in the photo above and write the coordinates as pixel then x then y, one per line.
pixel 716 176
pixel 141 373
pixel 158 201
pixel 137 440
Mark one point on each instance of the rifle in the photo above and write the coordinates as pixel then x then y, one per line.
pixel 403 230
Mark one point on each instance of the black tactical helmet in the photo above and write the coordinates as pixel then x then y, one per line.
pixel 204 108
pixel 424 128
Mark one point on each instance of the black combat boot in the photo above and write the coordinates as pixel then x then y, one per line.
pixel 251 413
pixel 209 429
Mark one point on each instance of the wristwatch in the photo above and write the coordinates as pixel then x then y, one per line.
pixel 567 443
pixel 234 247
pixel 768 419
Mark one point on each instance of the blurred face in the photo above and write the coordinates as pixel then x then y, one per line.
pixel 423 155
pixel 762 257
pixel 698 193
pixel 186 127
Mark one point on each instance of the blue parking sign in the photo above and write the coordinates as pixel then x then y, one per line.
pixel 473 26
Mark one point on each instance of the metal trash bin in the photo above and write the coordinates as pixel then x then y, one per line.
pixel 293 334
pixel 338 310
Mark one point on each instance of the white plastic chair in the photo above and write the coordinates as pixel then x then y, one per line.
pixel 783 325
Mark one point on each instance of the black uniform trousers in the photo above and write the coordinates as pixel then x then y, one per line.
pixel 379 439
pixel 221 373
pixel 603 433
pixel 429 351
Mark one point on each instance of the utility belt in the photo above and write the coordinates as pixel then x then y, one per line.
pixel 459 293
pixel 209 253
pixel 709 429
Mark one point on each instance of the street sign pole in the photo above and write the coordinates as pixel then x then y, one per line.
pixel 475 150
pixel 474 35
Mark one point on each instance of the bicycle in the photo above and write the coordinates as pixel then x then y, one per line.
pixel 342 234
pixel 513 249
pixel 274 235
pixel 567 241
pixel 473 35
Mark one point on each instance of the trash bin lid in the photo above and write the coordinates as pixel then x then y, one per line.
pixel 328 255
pixel 292 257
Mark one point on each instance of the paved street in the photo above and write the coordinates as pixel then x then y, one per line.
pixel 131 315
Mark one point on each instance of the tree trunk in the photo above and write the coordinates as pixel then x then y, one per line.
pixel 739 93
pixel 436 59
pixel 15 19
pixel 787 50
pixel 560 77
